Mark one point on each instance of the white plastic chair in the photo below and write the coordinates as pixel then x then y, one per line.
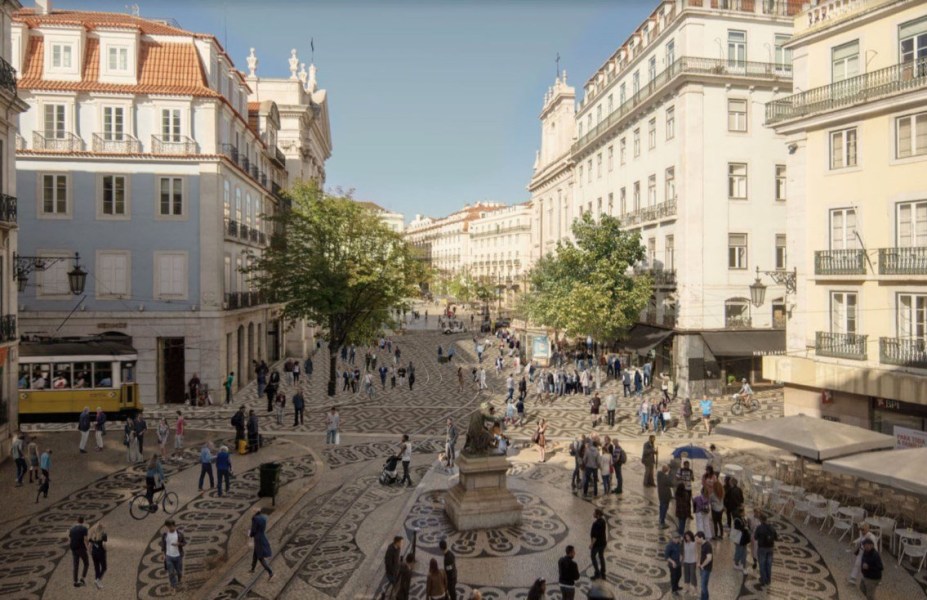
pixel 842 522
pixel 914 550
pixel 832 506
pixel 816 511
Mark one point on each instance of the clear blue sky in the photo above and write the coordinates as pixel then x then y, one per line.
pixel 433 103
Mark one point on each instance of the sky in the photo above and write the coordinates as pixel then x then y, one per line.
pixel 433 103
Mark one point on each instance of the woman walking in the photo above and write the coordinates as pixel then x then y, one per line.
pixel 540 438
pixel 97 539
pixel 436 584
pixel 683 508
pixel 258 534
pixel 164 434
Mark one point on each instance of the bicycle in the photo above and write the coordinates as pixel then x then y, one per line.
pixel 139 507
pixel 739 405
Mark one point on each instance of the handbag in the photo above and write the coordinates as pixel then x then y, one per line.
pixel 667 416
pixel 736 536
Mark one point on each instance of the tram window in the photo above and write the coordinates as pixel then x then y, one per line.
pixel 40 375
pixel 25 379
pixel 82 378
pixel 128 372
pixel 103 374
pixel 62 378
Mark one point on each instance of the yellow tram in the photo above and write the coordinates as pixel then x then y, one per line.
pixel 59 377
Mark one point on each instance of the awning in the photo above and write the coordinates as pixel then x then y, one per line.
pixel 749 342
pixel 900 469
pixel 644 337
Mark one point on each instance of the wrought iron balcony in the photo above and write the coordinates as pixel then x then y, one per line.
pixel 8 328
pixel 57 142
pixel 231 300
pixel 7 77
pixel 244 162
pixel 781 8
pixel 840 345
pixel 243 231
pixel 263 179
pixel 870 86
pixel 232 228
pixel 20 142
pixel 181 145
pixel 905 352
pixel 255 172
pixel 738 322
pixel 230 151
pixel 278 157
pixel 254 235
pixel 903 261
pixel 116 144
pixel 840 262
pixel 7 209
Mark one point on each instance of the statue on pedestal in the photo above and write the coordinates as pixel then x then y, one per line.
pixel 481 438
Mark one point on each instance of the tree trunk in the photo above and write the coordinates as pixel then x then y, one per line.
pixel 332 370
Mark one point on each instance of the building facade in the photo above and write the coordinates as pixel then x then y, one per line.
pixel 857 214
pixel 394 220
pixel 445 242
pixel 500 249
pixel 141 152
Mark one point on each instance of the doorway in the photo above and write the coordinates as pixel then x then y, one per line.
pixel 171 371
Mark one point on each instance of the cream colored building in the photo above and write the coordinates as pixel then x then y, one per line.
pixel 500 249
pixel 857 214
pixel 393 220
pixel 445 242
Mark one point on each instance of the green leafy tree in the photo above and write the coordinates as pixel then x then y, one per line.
pixel 588 287
pixel 337 265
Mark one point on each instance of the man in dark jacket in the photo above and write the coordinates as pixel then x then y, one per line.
pixel 450 570
pixel 871 565
pixel 673 555
pixel 733 500
pixel 597 544
pixel 664 493
pixel 238 422
pixel 391 563
pixel 405 578
pixel 299 406
pixel 765 537
pixel 254 437
pixel 569 573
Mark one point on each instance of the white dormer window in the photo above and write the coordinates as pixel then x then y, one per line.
pixel 117 59
pixel 114 123
pixel 61 56
pixel 170 124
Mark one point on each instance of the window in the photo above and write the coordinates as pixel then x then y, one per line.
pixel 112 274
pixel 598 165
pixel 581 175
pixel 780 182
pixel 61 56
pixel 651 190
pixel 912 316
pixel 736 114
pixel 845 61
pixel 170 274
pixel 783 55
pixel 171 204
pixel 737 181
pixel 589 170
pixel 611 158
pixel 843 148
pixel 843 312
pixel 170 124
pixel 598 114
pixel 636 83
pixel 114 196
pixel 670 184
pixel 670 53
pixel 113 123
pixel 118 58
pixel 652 133
pixel 611 203
pixel 736 48
pixel 637 143
pixel 623 150
pixel 611 98
pixel 622 94
pixel 780 251
pixel 226 200
pixel 238 200
pixel 843 229
pixel 911 135
pixel 623 201
pixel 912 38
pixel 737 312
pixel 912 224
pixel 737 251
pixel 651 252
pixel 53 279
pixel 54 121
pixel 652 69
pixel 669 251
pixel 637 196
pixel 55 195
pixel 670 122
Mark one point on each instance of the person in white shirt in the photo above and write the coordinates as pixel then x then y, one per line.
pixel 172 543
pixel 405 455
pixel 611 405
pixel 857 546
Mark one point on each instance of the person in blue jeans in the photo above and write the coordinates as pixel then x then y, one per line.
pixel 704 563
pixel 206 460
pixel 223 469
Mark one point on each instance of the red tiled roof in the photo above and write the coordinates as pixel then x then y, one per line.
pixel 95 20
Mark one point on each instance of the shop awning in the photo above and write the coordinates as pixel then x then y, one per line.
pixel 745 343
pixel 900 469
pixel 641 338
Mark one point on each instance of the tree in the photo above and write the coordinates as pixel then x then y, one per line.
pixel 587 287
pixel 338 265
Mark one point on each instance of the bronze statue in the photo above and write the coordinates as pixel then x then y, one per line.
pixel 480 439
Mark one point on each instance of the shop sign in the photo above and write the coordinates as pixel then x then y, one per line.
pixel 906 437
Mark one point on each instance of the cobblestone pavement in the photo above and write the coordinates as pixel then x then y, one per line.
pixel 332 521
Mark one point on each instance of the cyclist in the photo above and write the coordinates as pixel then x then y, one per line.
pixel 154 481
pixel 746 392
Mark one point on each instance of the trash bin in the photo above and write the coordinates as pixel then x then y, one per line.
pixel 600 591
pixel 270 480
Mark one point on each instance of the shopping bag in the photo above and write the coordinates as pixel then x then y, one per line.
pixel 337 437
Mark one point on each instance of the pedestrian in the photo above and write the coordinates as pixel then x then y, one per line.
pixel 591 468
pixel 436 582
pixel 683 507
pixel 577 450
pixel 99 428
pixel 411 371
pixel 83 426
pixel 154 480
pixel 705 563
pixel 97 540
pixel 689 560
pixel 193 388
pixel 702 509
pixel 664 493
pixel 649 458
pixel 383 370
pixel 228 387
pixel 482 376
pixel 45 462
pixel 405 455
pixel 391 563
pixel 460 379
pixel 261 374
pixel 450 443
pixel 626 382
pixel 597 544
pixel 131 441
pixel 643 413
pixel 611 405
pixel 450 570
pixel 716 497
pixel 141 426
pixel 32 455
pixel 206 460
pixel 687 412
pixel 404 585
pixel 254 434
pixel 172 543
pixel 18 452
pixel 164 434
pixel 619 458
pixel 871 565
pixel 538 590
pixel 270 392
pixel 740 536
pixel 673 555
pixel 766 538
pixel 595 405
pixel 520 410
pixel 299 408
pixel 238 422
pixel 568 574
pixel 223 469
pixel 258 535
pixel 178 433
pixel 705 405
pixel 296 370
pixel 540 438
pixel 280 407
pixel 733 500
pixel 332 423
pixel 77 539
pixel 288 371
pixel 605 466
pixel 857 547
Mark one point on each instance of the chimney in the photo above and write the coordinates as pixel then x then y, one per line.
pixel 43 7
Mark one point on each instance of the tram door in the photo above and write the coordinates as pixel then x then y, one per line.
pixel 171 385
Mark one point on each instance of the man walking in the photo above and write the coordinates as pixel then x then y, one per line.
pixel 591 470
pixel 83 426
pixel 705 563
pixel 619 457
pixel 206 460
pixel 871 565
pixel 140 428
pixel 649 458
pixel 238 422
pixel 391 566
pixel 664 493
pixel 450 570
pixel 172 543
pixel 597 544
pixel 611 405
pixel 299 407
pixel 17 451
pixel 626 382
pixel 223 469
pixel 228 387
pixel 178 432
pixel 332 422
pixel 766 538
pixel 568 574
pixel 405 454
pixel 577 449
pixel 78 543
pixel 673 555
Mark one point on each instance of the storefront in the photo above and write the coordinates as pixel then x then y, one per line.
pixel 887 414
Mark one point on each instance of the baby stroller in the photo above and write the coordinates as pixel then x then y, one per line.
pixel 390 474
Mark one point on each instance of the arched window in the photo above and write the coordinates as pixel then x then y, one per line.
pixel 737 312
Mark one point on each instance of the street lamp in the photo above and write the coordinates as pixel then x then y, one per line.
pixel 779 277
pixel 77 277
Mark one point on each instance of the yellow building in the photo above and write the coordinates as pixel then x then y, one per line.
pixel 856 131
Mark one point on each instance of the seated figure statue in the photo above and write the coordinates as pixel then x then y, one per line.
pixel 480 439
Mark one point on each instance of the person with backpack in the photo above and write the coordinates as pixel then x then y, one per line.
pixel 577 448
pixel 238 422
pixel 740 535
pixel 766 538
pixel 619 458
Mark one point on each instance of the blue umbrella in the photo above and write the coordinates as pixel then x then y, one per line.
pixel 695 452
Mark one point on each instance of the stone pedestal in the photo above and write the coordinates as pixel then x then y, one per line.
pixel 481 499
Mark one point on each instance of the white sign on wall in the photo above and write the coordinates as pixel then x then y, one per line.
pixel 909 438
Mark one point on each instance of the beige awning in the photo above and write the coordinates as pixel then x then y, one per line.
pixel 899 469
pixel 810 437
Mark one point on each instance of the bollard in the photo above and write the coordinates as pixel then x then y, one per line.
pixel 599 590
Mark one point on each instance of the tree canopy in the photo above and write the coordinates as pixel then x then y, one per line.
pixel 336 264
pixel 587 287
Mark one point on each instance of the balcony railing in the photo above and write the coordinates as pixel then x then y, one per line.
pixel 181 145
pixel 8 209
pixel 254 235
pixel 244 162
pixel 8 328
pixel 231 300
pixel 232 228
pixel 125 144
pixel 230 151
pixel 849 92
pixel 840 345
pixel 686 65
pixel 278 157
pixel 243 231
pixel 263 179
pixel 664 210
pixel 7 77
pixel 902 261
pixel 20 142
pixel 255 172
pixel 782 8
pixel 62 142
pixel 903 351
pixel 840 262
pixel 738 322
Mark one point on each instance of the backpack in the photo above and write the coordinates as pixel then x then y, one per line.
pixel 622 457
pixel 237 421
